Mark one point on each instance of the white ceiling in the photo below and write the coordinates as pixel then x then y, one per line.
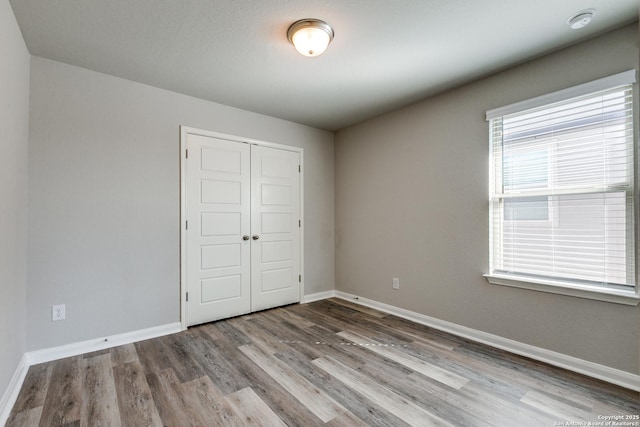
pixel 386 53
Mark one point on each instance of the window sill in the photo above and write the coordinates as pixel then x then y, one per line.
pixel 561 288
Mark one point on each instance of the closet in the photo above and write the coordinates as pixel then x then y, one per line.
pixel 241 235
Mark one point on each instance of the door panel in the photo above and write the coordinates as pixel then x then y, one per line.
pixel 218 256
pixel 277 279
pixel 218 269
pixel 275 215
pixel 223 192
pixel 276 195
pixel 276 222
pixel 220 223
pixel 276 251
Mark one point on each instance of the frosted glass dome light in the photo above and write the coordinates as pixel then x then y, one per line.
pixel 310 36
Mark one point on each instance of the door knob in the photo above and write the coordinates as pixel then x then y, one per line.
pixel 256 237
pixel 245 237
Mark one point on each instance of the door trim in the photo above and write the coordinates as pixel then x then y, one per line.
pixel 184 131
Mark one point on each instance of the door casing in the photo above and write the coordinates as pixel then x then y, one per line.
pixel 184 131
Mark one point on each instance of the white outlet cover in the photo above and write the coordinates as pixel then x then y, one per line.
pixel 58 312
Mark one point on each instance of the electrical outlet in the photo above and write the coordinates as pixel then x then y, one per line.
pixel 58 312
pixel 396 283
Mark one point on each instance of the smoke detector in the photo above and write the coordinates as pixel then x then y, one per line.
pixel 581 19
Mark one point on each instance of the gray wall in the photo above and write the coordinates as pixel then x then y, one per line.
pixel 104 200
pixel 14 127
pixel 412 202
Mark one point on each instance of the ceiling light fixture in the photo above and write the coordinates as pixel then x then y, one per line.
pixel 581 19
pixel 310 36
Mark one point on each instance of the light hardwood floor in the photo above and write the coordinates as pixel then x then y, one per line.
pixel 326 363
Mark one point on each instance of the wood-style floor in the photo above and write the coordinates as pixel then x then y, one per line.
pixel 326 363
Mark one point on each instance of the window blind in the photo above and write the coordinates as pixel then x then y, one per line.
pixel 562 190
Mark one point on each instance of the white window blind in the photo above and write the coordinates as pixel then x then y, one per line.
pixel 562 188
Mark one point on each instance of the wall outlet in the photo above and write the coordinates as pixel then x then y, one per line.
pixel 396 283
pixel 58 312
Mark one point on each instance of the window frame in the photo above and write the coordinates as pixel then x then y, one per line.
pixel 570 287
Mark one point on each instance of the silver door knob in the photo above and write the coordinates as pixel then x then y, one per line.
pixel 256 237
pixel 245 237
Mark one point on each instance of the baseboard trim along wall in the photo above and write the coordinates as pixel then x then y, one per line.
pixel 11 394
pixel 318 296
pixel 74 349
pixel 54 353
pixel 601 372
pixel 595 370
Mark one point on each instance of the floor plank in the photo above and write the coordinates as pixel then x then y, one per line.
pixel 413 363
pixel 167 397
pixel 123 354
pixel 391 401
pixel 137 407
pixel 34 389
pixel 217 362
pixel 63 400
pixel 99 398
pixel 29 417
pixel 556 406
pixel 251 410
pixel 270 391
pixel 208 404
pixel 308 394
pixel 369 413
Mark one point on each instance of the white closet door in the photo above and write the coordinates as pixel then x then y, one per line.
pixel 275 227
pixel 218 197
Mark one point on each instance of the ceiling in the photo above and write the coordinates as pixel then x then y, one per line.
pixel 386 53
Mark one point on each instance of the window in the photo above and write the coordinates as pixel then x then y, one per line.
pixel 562 192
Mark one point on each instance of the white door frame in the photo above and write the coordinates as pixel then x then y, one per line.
pixel 184 130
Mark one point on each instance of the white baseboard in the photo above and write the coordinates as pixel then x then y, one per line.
pixel 595 370
pixel 318 296
pixel 48 354
pixel 11 393
pixel 74 349
pixel 605 373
